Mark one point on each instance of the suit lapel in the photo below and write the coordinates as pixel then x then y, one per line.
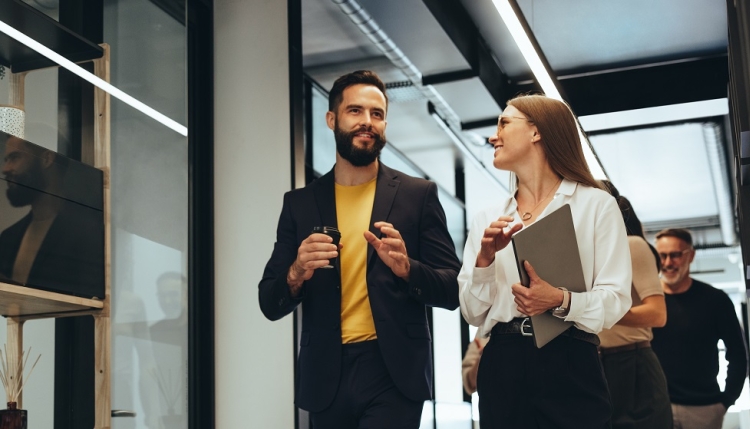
pixel 385 192
pixel 325 196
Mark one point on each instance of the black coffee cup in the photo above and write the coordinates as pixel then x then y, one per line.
pixel 332 232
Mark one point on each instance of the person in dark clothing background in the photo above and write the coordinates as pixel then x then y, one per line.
pixel 637 384
pixel 698 316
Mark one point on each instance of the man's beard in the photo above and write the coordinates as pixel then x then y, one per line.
pixel 358 157
pixel 24 188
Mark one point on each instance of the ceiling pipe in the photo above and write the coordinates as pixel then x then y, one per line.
pixel 359 16
pixel 718 166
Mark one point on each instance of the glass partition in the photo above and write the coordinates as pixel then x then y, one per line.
pixel 149 203
pixel 149 216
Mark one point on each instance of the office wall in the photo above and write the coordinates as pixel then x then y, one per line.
pixel 254 357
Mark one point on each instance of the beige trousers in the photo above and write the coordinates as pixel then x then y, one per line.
pixel 698 416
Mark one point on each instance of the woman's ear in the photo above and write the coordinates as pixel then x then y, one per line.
pixel 535 136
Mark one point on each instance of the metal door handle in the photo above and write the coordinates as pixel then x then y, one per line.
pixel 123 413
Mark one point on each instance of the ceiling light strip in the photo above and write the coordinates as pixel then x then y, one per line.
pixel 541 74
pixel 530 54
pixel 93 79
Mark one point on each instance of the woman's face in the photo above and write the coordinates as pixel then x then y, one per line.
pixel 514 139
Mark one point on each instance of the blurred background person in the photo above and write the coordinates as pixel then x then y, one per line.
pixel 59 244
pixel 698 316
pixel 470 363
pixel 636 381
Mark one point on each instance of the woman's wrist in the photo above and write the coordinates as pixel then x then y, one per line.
pixel 483 261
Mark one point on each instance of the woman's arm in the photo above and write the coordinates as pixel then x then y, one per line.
pixel 470 364
pixel 652 313
pixel 478 283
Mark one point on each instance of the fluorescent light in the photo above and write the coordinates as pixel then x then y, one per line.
pixel 541 74
pixel 594 166
pixel 527 49
pixel 91 78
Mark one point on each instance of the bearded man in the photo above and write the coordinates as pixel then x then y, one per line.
pixel 59 244
pixel 698 316
pixel 365 356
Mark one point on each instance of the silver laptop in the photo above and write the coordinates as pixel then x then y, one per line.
pixel 551 247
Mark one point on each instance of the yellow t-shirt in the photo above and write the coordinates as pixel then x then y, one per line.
pixel 353 210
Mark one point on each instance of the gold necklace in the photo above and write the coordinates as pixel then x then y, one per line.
pixel 527 215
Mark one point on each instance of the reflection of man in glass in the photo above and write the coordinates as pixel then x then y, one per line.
pixel 58 245
pixel 169 340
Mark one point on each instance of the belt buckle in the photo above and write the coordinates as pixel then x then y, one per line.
pixel 530 333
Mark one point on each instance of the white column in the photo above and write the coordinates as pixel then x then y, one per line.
pixel 254 357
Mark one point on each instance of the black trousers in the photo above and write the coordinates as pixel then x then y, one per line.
pixel 559 386
pixel 639 390
pixel 367 397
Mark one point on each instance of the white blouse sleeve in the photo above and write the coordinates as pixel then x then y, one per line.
pixel 609 298
pixel 478 286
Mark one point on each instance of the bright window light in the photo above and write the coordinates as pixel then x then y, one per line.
pixel 91 78
pixel 541 75
pixel 656 115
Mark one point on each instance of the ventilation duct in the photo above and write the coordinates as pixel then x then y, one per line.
pixel 372 30
pixel 717 164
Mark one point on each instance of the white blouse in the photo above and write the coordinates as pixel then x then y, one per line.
pixel 486 296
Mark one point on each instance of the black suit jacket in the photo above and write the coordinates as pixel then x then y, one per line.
pixel 398 307
pixel 71 257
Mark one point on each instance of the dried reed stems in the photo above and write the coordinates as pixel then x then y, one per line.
pixel 169 386
pixel 11 371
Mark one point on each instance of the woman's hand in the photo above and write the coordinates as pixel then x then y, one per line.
pixel 495 239
pixel 539 297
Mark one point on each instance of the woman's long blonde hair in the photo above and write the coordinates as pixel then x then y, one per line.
pixel 559 136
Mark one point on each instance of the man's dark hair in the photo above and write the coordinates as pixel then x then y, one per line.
pixel 682 234
pixel 359 77
pixel 171 275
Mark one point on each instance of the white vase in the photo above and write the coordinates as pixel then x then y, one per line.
pixel 12 120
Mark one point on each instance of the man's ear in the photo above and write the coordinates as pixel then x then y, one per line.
pixel 48 158
pixel 331 120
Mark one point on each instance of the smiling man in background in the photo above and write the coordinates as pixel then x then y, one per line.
pixel 698 316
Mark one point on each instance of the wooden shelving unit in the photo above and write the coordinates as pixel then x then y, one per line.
pixel 18 303
pixel 25 302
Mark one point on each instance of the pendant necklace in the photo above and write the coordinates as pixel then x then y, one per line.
pixel 527 215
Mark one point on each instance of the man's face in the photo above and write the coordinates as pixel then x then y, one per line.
pixel 23 172
pixel 172 294
pixel 359 125
pixel 676 256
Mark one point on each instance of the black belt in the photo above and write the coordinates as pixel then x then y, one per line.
pixel 626 348
pixel 522 325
